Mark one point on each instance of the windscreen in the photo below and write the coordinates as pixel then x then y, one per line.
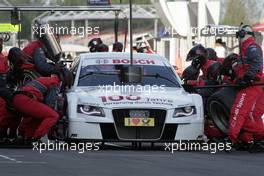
pixel 153 75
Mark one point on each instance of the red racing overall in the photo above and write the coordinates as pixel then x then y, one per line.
pixel 29 50
pixel 253 127
pixel 7 121
pixel 240 123
pixel 38 117
pixel 31 47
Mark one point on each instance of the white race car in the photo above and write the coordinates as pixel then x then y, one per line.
pixel 102 106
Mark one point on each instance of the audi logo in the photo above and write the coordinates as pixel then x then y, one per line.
pixel 101 61
pixel 139 113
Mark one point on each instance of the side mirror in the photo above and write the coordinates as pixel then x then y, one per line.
pixel 131 74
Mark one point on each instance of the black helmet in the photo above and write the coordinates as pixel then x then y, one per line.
pixel 211 54
pixel 196 51
pixel 230 59
pixel 16 57
pixel 94 43
pixel 117 47
pixel 214 71
pixel 102 48
pixel 190 73
pixel 228 62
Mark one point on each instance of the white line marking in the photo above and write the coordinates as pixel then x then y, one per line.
pixel 24 162
pixel 133 155
pixel 11 159
pixel 116 145
pixel 14 156
pixel 14 161
pixel 34 162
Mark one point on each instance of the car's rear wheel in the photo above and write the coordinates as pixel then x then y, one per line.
pixel 219 106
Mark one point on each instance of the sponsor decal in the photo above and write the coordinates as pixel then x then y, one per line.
pixel 145 122
pixel 135 61
pixel 121 61
pixel 134 99
pixel 237 109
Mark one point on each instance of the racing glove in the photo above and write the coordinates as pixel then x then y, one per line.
pixel 248 79
pixel 242 84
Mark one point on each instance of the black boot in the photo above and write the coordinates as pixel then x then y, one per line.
pixel 256 147
pixel 19 140
pixel 3 137
pixel 12 138
pixel 243 146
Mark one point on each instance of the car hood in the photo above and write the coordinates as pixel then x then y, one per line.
pixel 170 98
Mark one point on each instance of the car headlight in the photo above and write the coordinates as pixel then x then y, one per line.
pixel 184 111
pixel 91 110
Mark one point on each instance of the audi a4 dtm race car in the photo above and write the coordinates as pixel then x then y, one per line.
pixel 104 106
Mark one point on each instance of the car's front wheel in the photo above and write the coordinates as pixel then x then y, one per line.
pixel 60 130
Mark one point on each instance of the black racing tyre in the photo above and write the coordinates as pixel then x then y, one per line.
pixel 219 106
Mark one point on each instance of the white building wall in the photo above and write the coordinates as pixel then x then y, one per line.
pixel 177 14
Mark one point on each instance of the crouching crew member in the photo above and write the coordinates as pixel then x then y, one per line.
pixel 7 122
pixel 38 117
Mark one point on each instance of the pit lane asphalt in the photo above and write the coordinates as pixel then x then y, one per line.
pixel 116 161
